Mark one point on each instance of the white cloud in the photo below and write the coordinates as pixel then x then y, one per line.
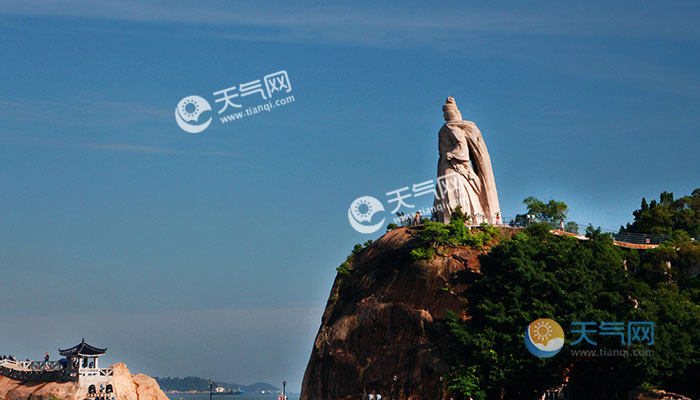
pixel 130 148
pixel 135 148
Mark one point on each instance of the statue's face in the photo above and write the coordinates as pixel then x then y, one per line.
pixel 452 115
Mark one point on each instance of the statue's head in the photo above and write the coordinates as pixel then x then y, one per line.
pixel 451 111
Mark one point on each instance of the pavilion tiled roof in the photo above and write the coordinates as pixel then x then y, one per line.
pixel 82 349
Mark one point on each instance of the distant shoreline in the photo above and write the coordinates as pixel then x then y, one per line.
pixel 215 393
pixel 270 393
pixel 195 392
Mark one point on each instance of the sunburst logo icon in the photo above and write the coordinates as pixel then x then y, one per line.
pixel 188 111
pixel 544 337
pixel 542 330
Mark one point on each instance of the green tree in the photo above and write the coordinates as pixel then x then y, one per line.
pixel 538 275
pixel 345 269
pixel 668 215
pixel 552 212
pixel 675 364
pixel 433 235
pixel 571 227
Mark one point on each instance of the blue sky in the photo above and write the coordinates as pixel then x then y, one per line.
pixel 213 254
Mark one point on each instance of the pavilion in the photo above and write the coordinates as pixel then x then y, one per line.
pixel 83 363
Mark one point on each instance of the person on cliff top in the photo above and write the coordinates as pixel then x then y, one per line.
pixel 417 217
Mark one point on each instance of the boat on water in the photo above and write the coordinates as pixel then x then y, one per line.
pixel 229 393
pixel 222 391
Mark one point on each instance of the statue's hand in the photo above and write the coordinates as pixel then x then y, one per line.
pixel 458 158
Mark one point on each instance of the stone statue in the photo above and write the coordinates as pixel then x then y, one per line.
pixel 465 177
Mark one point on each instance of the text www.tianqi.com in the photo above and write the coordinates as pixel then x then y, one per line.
pixel 625 353
pixel 250 111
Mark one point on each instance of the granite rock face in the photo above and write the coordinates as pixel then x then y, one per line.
pixel 128 386
pixel 386 319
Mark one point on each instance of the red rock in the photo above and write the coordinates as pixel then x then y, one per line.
pixel 126 387
pixel 386 319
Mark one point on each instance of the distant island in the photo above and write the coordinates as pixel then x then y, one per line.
pixel 193 384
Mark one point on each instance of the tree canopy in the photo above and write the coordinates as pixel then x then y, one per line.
pixel 668 215
pixel 535 275
pixel 538 275
pixel 552 212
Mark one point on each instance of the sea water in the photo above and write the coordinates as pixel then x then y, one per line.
pixel 244 396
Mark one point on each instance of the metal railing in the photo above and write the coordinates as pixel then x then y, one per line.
pixel 96 371
pixel 51 371
pixel 579 228
pixel 30 371
pixel 569 226
pixel 32 365
pixel 640 238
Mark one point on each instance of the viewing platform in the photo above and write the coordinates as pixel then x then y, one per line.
pixel 79 365
pixel 34 371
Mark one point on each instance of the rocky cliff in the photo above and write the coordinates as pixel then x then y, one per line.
pixel 127 386
pixel 385 319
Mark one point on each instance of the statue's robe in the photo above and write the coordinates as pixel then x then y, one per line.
pixel 465 176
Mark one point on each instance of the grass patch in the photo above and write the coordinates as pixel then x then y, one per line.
pixel 456 233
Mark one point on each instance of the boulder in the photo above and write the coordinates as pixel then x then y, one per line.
pixel 386 319
pixel 126 387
